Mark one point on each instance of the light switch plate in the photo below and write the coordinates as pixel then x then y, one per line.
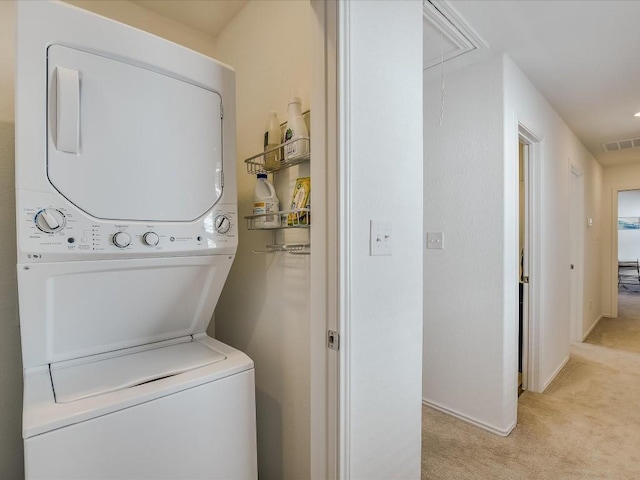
pixel 435 240
pixel 380 238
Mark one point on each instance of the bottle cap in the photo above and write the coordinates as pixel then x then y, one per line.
pixel 262 175
pixel 295 100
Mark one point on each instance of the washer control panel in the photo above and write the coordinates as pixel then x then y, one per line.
pixel 51 230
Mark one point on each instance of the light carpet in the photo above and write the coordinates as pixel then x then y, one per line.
pixel 585 426
pixel 623 332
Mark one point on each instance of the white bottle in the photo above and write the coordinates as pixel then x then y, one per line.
pixel 296 130
pixel 272 138
pixel 265 201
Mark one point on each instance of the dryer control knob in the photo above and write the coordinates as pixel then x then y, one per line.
pixel 50 220
pixel 121 239
pixel 222 224
pixel 151 239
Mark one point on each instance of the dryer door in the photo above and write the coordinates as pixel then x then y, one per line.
pixel 128 143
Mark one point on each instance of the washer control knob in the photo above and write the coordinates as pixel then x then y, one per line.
pixel 121 239
pixel 222 224
pixel 151 239
pixel 50 220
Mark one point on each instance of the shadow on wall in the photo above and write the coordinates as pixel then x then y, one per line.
pixel 11 455
pixel 270 461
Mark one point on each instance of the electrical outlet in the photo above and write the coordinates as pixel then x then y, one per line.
pixel 381 238
pixel 435 240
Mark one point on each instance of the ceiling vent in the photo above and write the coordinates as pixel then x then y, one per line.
pixel 621 145
pixel 446 34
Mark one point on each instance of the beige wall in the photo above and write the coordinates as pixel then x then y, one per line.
pixel 10 358
pixel 139 17
pixel 264 308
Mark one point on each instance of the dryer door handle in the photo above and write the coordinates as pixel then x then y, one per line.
pixel 67 110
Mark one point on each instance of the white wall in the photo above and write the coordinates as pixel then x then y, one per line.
pixel 629 240
pixel 624 177
pixel 560 149
pixel 381 138
pixel 264 307
pixel 11 465
pixel 471 194
pixel 464 333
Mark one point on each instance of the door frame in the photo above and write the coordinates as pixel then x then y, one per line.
pixel 526 271
pixel 531 332
pixel 327 377
pixel 576 241
pixel 614 246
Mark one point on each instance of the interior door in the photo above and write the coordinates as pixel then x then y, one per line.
pixel 129 143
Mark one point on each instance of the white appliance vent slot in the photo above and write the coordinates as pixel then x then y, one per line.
pixel 621 145
pixel 445 33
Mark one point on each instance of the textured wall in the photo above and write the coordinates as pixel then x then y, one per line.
pixel 463 292
pixel 11 465
pixel 383 158
pixel 560 150
pixel 471 194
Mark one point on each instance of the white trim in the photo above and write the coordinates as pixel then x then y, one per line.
pixel 613 292
pixel 555 374
pixel 470 420
pixel 344 235
pixel 324 388
pixel 584 337
pixel 451 14
pixel 534 335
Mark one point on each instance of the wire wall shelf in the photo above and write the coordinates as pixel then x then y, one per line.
pixel 273 160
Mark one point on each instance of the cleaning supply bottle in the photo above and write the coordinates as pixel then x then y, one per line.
pixel 272 138
pixel 265 201
pixel 296 130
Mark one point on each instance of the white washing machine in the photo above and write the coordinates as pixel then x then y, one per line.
pixel 126 229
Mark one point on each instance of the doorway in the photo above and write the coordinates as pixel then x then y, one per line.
pixel 523 263
pixel 528 251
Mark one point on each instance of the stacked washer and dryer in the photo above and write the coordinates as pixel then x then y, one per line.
pixel 126 231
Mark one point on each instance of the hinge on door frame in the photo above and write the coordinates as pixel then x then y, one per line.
pixel 333 340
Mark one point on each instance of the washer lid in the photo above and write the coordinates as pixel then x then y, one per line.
pixel 126 142
pixel 77 379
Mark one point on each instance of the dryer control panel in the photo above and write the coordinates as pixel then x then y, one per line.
pixel 50 232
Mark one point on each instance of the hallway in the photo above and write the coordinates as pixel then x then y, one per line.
pixel 585 425
pixel 623 332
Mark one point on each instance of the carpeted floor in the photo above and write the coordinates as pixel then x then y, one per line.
pixel 623 332
pixel 585 426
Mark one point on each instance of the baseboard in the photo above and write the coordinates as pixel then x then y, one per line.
pixel 584 337
pixel 472 421
pixel 555 374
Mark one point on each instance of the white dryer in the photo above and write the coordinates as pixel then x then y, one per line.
pixel 126 231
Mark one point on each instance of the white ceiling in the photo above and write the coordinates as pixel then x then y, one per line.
pixel 207 16
pixel 583 56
